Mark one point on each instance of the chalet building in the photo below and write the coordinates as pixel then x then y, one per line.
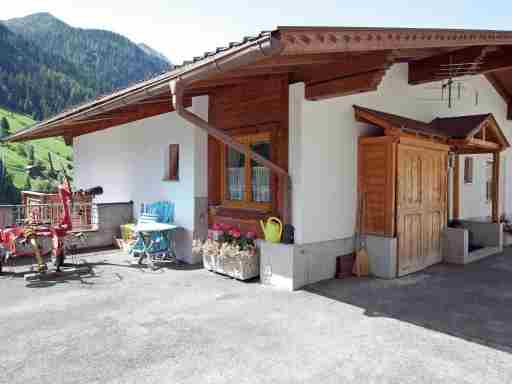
pixel 308 124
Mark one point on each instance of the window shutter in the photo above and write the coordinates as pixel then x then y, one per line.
pixel 468 170
pixel 174 152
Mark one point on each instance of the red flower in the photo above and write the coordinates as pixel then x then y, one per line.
pixel 217 227
pixel 236 234
pixel 226 227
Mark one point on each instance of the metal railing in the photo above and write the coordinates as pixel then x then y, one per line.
pixel 84 216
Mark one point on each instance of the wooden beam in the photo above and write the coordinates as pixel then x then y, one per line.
pixel 501 60
pixel 351 65
pixel 305 59
pixel 105 121
pixel 484 144
pixel 505 93
pixel 363 82
pixel 496 209
pixel 456 188
pixel 471 145
pixel 431 69
pixel 301 40
pixel 370 118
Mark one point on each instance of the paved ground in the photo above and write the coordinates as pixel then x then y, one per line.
pixel 126 325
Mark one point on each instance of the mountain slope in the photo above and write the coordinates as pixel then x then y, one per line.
pixel 150 51
pixel 109 60
pixel 34 82
pixel 14 158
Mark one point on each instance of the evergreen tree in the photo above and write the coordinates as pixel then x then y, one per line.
pixel 31 155
pixel 51 172
pixel 5 129
pixel 28 184
pixel 9 194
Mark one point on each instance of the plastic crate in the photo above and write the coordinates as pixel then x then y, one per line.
pixel 127 231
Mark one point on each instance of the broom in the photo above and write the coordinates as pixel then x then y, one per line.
pixel 361 261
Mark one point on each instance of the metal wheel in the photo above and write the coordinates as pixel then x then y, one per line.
pixel 59 260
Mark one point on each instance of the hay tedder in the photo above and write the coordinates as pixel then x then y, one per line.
pixel 42 229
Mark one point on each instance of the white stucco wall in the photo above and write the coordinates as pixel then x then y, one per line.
pixel 129 161
pixel 323 147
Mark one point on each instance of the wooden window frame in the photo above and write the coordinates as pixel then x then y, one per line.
pixel 172 172
pixel 469 170
pixel 489 181
pixel 247 139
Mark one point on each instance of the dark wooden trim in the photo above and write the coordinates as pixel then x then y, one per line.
pixel 302 40
pixel 505 93
pixel 363 82
pixel 456 188
pixel 429 69
pixel 496 208
pixel 174 163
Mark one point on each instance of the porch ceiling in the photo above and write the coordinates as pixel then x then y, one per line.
pixel 330 61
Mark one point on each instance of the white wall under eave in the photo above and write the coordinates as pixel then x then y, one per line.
pixel 323 149
pixel 129 161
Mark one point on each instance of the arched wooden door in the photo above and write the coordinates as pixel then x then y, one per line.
pixel 422 182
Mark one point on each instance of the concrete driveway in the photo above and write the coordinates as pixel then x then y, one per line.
pixel 128 325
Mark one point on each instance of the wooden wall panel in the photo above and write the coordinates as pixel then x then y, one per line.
pixel 376 184
pixel 248 108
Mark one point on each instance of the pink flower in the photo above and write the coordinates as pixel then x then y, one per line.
pixel 226 227
pixel 250 235
pixel 236 234
pixel 217 227
pixel 230 233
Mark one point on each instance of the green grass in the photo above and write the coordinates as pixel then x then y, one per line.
pixel 16 163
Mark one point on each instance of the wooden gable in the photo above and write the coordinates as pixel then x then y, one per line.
pixel 464 134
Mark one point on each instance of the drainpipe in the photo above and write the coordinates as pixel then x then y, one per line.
pixel 262 49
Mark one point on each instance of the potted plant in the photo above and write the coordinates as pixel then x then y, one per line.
pixel 230 252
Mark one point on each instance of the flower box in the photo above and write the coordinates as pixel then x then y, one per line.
pixel 229 253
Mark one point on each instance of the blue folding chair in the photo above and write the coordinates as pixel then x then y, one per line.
pixel 154 233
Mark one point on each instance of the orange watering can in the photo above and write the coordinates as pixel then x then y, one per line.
pixel 272 230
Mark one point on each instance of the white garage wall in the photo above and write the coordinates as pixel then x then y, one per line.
pixel 323 147
pixel 129 161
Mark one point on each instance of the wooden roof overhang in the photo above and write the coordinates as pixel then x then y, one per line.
pixel 331 61
pixel 472 134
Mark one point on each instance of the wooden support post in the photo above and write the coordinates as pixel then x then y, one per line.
pixel 456 188
pixel 496 212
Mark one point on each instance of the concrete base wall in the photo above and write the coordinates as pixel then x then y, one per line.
pixel 456 241
pixel 455 245
pixel 485 234
pixel 110 217
pixel 382 256
pixel 292 266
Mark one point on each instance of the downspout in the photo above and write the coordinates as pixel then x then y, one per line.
pixel 262 49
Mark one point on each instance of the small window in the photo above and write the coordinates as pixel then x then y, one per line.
pixel 247 183
pixel 468 170
pixel 488 181
pixel 173 165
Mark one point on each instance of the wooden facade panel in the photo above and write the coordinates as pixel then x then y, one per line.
pixel 253 107
pixel 376 185
pixel 422 182
pixel 252 103
pixel 410 233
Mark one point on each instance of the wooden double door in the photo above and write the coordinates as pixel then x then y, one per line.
pixel 421 206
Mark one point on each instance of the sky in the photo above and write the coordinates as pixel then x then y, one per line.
pixel 184 29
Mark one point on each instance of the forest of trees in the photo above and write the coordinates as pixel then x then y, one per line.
pixel 47 65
